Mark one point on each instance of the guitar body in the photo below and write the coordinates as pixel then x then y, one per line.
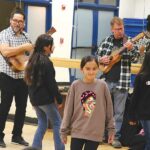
pixel 114 59
pixel 18 63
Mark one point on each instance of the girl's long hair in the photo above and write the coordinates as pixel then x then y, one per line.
pixel 35 69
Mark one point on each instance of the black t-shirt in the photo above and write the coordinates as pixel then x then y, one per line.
pixel 114 74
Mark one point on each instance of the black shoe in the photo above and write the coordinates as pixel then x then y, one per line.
pixel 116 144
pixel 19 140
pixel 2 143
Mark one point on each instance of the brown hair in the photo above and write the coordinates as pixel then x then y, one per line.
pixel 116 20
pixel 86 59
pixel 17 10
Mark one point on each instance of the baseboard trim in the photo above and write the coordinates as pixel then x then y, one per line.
pixel 28 120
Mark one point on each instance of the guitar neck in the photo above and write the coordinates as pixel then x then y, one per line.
pixel 133 40
pixel 138 37
pixel 121 50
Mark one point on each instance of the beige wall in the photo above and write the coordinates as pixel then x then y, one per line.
pixel 5 9
pixel 134 9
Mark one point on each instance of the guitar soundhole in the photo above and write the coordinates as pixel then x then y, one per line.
pixel 111 57
pixel 27 53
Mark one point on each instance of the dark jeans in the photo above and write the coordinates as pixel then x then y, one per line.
pixel 10 87
pixel 78 144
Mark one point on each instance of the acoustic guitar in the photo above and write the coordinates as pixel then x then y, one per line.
pixel 18 63
pixel 116 57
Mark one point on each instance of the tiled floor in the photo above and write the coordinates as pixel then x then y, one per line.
pixel 28 134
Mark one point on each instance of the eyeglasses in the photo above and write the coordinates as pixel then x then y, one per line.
pixel 18 21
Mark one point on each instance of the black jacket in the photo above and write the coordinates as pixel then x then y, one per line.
pixel 140 102
pixel 48 91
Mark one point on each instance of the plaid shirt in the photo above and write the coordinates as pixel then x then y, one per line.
pixel 106 48
pixel 145 41
pixel 8 36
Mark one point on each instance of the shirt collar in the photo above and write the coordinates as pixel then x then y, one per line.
pixel 11 31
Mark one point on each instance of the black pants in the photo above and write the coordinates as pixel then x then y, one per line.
pixel 78 144
pixel 10 88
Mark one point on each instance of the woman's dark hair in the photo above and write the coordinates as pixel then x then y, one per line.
pixel 148 23
pixel 17 10
pixel 145 68
pixel 88 59
pixel 35 69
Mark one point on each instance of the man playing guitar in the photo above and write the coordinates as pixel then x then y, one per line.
pixel 118 77
pixel 13 41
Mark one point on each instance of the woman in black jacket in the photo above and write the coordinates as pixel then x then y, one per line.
pixel 43 90
pixel 140 104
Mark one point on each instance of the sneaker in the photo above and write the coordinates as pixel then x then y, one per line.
pixel 19 140
pixel 2 143
pixel 116 144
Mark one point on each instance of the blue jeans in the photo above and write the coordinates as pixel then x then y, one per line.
pixel 119 97
pixel 146 127
pixel 44 114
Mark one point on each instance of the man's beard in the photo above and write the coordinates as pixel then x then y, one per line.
pixel 17 29
pixel 119 36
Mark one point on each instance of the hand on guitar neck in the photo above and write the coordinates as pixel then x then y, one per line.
pixel 128 45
